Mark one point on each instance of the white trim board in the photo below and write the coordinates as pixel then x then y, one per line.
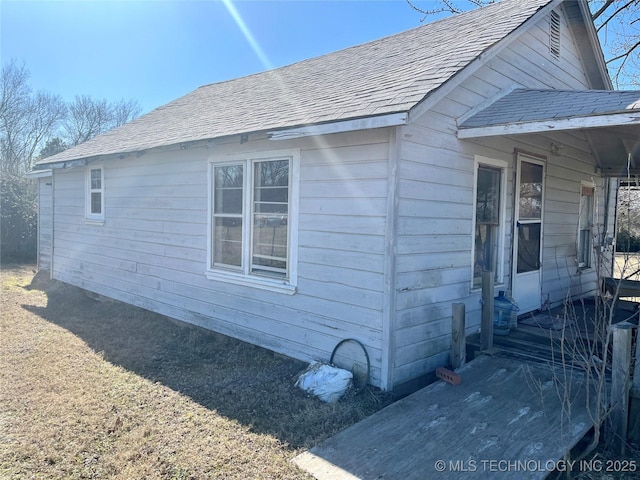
pixel 550 125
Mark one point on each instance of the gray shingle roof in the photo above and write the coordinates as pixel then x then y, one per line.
pixel 524 105
pixel 389 75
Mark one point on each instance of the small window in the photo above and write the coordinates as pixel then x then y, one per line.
pixel 554 34
pixel 95 193
pixel 585 226
pixel 488 228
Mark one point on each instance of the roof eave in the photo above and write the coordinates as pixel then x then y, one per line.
pixel 587 41
pixel 343 126
pixel 42 173
pixel 299 131
pixel 552 124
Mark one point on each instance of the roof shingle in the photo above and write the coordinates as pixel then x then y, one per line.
pixel 389 75
pixel 523 105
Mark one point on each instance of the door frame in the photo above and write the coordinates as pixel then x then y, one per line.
pixel 536 303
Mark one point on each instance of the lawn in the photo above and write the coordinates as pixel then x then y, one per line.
pixel 93 388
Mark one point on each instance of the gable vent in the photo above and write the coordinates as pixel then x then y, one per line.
pixel 554 34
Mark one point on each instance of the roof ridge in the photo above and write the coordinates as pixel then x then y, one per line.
pixel 387 75
pixel 457 17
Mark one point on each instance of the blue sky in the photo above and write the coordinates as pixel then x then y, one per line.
pixel 156 51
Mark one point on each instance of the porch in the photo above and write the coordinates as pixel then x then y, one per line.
pixel 504 418
pixel 570 330
pixel 517 411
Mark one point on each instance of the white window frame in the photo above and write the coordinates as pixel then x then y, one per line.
pixel 501 165
pixel 91 217
pixel 243 275
pixel 586 265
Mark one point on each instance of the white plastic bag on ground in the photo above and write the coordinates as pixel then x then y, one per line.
pixel 324 381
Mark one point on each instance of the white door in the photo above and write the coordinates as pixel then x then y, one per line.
pixel 527 252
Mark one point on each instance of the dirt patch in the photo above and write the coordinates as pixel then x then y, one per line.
pixel 93 388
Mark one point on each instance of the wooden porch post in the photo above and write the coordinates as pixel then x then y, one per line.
pixel 486 327
pixel 635 386
pixel 620 383
pixel 458 339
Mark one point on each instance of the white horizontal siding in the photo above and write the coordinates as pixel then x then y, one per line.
pixel 151 250
pixel 436 204
pixel 45 222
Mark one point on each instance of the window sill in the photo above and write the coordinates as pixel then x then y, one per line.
pixel 254 282
pixel 93 221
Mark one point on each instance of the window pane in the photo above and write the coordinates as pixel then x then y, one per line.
pixel 96 179
pixel 487 223
pixel 528 247
pixel 271 187
pixel 486 251
pixel 585 221
pixel 586 212
pixel 273 208
pixel 227 241
pixel 270 217
pixel 530 191
pixel 96 203
pixel 488 196
pixel 272 173
pixel 584 248
pixel 228 182
pixel 270 236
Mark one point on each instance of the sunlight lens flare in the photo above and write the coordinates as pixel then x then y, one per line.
pixel 247 34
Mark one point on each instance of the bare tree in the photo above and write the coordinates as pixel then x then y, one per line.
pixel 124 111
pixel 86 119
pixel 89 117
pixel 618 26
pixel 617 23
pixel 27 120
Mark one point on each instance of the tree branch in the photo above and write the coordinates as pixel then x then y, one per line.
pixel 613 15
pixel 606 5
pixel 429 12
pixel 626 54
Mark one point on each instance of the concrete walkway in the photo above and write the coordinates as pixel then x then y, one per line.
pixel 505 420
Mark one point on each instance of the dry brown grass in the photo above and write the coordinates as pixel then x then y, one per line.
pixel 99 389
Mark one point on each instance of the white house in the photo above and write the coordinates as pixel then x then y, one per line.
pixel 360 193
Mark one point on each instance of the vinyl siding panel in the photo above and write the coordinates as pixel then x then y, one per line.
pixel 151 250
pixel 436 204
pixel 45 222
pixel 388 282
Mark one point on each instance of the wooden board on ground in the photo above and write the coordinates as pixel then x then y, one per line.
pixel 505 418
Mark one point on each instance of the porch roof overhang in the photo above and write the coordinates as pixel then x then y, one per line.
pixel 609 119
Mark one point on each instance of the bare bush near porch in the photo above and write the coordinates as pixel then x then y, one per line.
pixel 578 353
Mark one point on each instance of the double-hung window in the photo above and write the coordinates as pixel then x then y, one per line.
pixel 585 224
pixel 252 235
pixel 94 196
pixel 489 220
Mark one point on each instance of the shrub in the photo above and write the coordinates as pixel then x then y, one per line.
pixel 18 219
